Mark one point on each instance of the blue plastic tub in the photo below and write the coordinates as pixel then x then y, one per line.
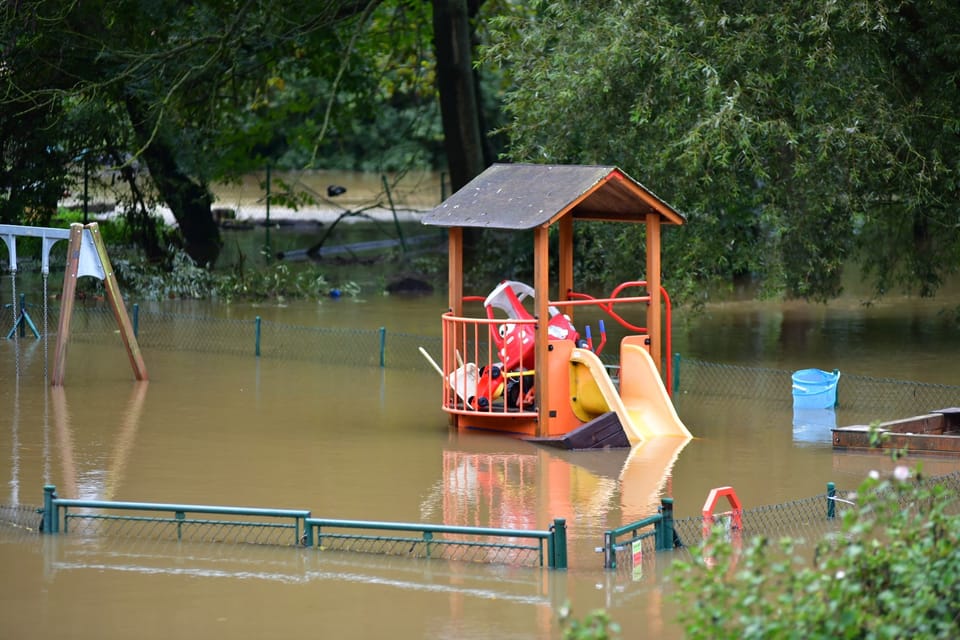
pixel 815 389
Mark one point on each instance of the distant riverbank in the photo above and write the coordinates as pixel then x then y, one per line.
pixel 367 195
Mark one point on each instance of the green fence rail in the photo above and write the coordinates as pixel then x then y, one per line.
pixel 218 524
pixel 658 527
pixel 475 544
pixel 809 518
pixel 296 527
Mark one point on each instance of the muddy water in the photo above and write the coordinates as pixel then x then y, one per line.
pixel 347 442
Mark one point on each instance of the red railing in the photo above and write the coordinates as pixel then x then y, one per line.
pixel 606 304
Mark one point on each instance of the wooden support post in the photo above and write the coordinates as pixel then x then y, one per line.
pixel 455 298
pixel 565 255
pixel 541 287
pixel 117 306
pixel 654 316
pixel 66 304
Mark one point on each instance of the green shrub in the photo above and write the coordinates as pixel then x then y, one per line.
pixel 596 625
pixel 892 571
pixel 185 280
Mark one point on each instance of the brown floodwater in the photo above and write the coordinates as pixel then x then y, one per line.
pixel 370 443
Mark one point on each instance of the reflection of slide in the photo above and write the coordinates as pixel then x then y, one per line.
pixel 645 474
pixel 643 406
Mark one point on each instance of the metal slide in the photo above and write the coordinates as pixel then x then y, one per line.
pixel 642 403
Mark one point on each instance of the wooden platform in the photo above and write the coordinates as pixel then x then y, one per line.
pixel 603 432
pixel 935 432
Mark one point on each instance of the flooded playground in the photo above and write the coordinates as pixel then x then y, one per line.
pixel 372 443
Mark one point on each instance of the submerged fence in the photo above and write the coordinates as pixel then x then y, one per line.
pixel 296 527
pixel 258 337
pixel 377 347
pixel 856 393
pixel 809 518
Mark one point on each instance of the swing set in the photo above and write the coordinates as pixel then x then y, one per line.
pixel 86 256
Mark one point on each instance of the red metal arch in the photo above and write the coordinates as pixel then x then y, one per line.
pixel 736 509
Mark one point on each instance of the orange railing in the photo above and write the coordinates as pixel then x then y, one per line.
pixel 473 380
pixel 470 360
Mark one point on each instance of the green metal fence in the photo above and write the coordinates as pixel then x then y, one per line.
pixel 656 529
pixel 809 519
pixel 472 544
pixel 296 527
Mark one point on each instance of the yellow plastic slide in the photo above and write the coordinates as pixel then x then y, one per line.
pixel 642 404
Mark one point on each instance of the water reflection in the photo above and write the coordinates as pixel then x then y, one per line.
pixel 813 426
pixel 371 443
pixel 100 477
pixel 591 490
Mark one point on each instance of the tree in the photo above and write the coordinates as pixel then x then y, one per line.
pixel 797 136
pixel 170 76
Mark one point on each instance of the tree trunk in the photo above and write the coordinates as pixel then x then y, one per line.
pixel 463 138
pixel 189 200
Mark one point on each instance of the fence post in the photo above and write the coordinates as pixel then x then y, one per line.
pixel 383 346
pixel 257 336
pixel 136 319
pixel 664 526
pixel 831 502
pixel 676 372
pixel 51 515
pixel 558 559
pixel 307 533
pixel 609 554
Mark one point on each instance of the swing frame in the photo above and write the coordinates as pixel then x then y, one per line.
pixel 86 256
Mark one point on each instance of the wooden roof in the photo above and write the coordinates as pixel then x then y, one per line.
pixel 524 196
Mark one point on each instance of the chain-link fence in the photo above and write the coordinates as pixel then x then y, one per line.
pixel 21 517
pixel 856 394
pixel 447 543
pixel 94 322
pixel 219 530
pixel 808 519
pixel 166 522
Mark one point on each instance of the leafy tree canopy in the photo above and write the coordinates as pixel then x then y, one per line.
pixel 206 91
pixel 797 136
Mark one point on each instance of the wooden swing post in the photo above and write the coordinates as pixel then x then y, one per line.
pixel 90 259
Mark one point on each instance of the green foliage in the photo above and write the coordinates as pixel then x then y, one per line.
pixel 596 625
pixel 796 136
pixel 174 97
pixel 185 280
pixel 891 572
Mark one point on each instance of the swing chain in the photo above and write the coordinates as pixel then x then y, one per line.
pixel 13 309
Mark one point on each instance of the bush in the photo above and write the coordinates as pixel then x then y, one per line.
pixel 893 571
pixel 185 280
pixel 596 625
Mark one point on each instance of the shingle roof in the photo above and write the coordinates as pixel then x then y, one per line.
pixel 524 196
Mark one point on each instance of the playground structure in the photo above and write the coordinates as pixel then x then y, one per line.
pixel 507 371
pixel 86 256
